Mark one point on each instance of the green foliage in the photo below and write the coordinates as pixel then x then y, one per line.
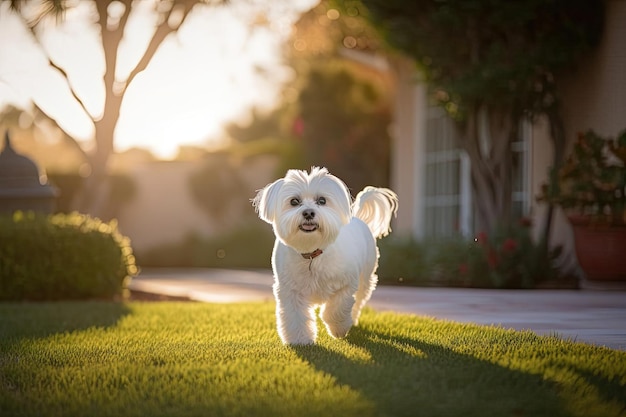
pixel 62 257
pixel 325 31
pixel 290 154
pixel 592 180
pixel 508 258
pixel 262 125
pixel 246 247
pixel 343 125
pixel 68 186
pixel 402 261
pixel 340 121
pixel 504 54
pixel 217 186
pixel 336 113
pixel 196 359
pixel 407 261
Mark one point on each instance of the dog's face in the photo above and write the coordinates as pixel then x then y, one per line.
pixel 307 210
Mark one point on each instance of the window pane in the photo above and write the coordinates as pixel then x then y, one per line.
pixel 442 221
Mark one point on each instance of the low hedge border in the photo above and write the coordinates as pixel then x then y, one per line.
pixel 62 257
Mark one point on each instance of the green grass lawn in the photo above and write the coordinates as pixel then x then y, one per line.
pixel 195 359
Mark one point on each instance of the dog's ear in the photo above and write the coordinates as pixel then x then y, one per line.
pixel 266 201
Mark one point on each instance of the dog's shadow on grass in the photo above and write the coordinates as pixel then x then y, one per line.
pixel 405 376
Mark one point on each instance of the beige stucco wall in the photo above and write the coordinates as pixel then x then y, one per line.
pixel 596 97
pixel 164 212
pixel 408 131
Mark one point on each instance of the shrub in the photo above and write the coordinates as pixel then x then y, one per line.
pixel 509 258
pixel 423 263
pixel 246 247
pixel 402 261
pixel 62 256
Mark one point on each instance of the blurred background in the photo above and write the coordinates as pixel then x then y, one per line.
pixel 168 115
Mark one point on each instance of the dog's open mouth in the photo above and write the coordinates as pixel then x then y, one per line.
pixel 309 227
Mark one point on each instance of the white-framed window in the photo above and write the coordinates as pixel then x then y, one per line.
pixel 521 170
pixel 447 191
pixel 447 198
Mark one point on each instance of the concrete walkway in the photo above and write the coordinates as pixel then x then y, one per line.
pixel 590 316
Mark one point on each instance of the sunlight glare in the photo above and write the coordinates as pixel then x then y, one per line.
pixel 222 62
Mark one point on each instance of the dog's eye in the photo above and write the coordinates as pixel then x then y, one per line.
pixel 295 202
pixel 321 201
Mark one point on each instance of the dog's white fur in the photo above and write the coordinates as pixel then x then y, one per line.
pixel 341 279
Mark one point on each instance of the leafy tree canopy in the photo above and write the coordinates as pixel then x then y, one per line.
pixel 499 53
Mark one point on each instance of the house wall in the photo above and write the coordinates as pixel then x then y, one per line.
pixel 596 97
pixel 407 162
pixel 593 98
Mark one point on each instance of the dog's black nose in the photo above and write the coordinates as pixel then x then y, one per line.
pixel 308 214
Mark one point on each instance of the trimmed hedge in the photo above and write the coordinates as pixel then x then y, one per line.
pixel 62 256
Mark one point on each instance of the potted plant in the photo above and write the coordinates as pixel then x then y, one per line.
pixel 591 188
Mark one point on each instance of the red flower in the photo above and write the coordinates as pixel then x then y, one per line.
pixel 298 127
pixel 481 238
pixel 509 245
pixel 492 259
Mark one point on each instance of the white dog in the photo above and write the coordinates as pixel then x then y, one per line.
pixel 325 252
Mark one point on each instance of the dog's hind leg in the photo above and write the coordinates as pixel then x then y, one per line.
pixel 367 284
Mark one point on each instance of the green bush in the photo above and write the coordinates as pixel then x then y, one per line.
pixel 402 261
pixel 508 258
pixel 246 247
pixel 407 261
pixel 62 256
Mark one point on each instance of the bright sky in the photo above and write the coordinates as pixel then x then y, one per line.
pixel 200 78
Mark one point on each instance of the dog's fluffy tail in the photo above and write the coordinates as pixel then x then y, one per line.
pixel 375 206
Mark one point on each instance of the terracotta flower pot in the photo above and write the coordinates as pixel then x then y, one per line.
pixel 601 250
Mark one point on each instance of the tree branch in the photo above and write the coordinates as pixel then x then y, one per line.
pixel 66 136
pixel 163 29
pixel 111 41
pixel 31 27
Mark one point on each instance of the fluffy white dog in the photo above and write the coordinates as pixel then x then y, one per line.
pixel 325 252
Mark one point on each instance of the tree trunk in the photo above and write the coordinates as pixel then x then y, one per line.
pixel 487 140
pixel 95 192
pixel 557 135
pixel 94 195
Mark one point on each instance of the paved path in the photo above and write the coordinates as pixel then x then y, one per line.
pixel 590 316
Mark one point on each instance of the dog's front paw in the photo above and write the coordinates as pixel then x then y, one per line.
pixel 295 322
pixel 338 331
pixel 299 340
pixel 306 342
